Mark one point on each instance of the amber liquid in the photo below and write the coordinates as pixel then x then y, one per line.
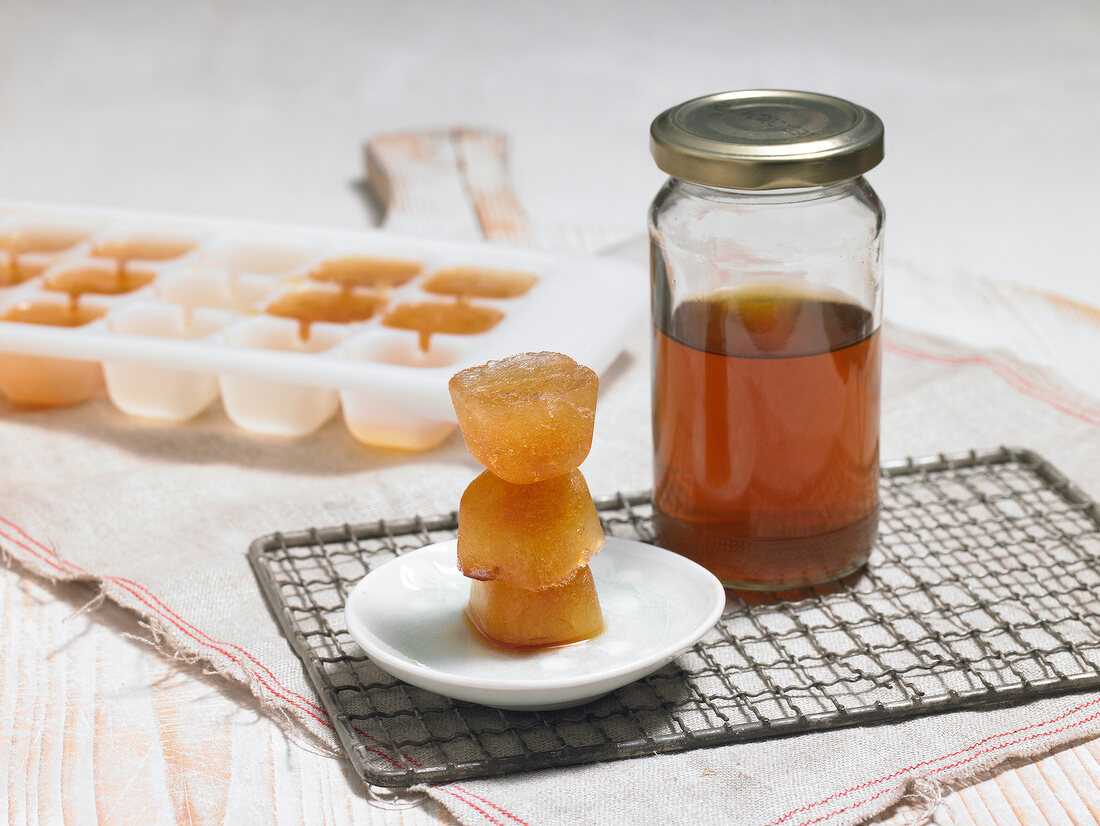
pixel 766 434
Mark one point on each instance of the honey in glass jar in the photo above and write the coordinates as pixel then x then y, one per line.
pixel 766 245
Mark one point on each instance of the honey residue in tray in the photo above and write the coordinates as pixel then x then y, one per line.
pixel 15 269
pixel 366 271
pixel 309 306
pixel 44 381
pixel 81 280
pixel 43 243
pixel 55 315
pixel 41 239
pixel 428 317
pixel 479 282
pixel 125 250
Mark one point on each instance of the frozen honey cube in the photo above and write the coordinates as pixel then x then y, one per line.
pixel 44 381
pixel 335 307
pixel 554 616
pixel 479 282
pixel 428 317
pixel 528 417
pixel 366 271
pixel 531 536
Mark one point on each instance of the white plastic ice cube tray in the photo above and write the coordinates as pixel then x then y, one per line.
pixel 198 329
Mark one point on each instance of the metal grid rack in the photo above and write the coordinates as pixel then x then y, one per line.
pixel 981 589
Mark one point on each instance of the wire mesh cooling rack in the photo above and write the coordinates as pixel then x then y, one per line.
pixel 981 589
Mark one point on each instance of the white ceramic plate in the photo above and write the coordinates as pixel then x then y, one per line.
pixel 408 617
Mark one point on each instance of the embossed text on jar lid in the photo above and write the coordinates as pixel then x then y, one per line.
pixel 766 139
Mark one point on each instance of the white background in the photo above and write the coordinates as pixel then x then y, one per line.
pixel 260 110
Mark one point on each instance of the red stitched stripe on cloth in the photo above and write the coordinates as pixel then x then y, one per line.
pixel 163 610
pixel 973 747
pixel 472 805
pixel 1014 379
pixel 51 557
pixel 46 554
pixel 483 800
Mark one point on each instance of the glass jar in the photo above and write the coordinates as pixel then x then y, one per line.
pixel 766 267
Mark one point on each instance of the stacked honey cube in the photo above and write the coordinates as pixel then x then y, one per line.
pixel 527 526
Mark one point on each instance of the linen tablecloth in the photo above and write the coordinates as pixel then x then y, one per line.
pixel 160 517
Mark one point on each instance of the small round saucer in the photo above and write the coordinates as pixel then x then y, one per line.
pixel 408 617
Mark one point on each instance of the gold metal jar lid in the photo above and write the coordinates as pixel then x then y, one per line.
pixel 766 139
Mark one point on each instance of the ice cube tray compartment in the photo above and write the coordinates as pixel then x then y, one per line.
pixel 182 318
pixel 156 392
